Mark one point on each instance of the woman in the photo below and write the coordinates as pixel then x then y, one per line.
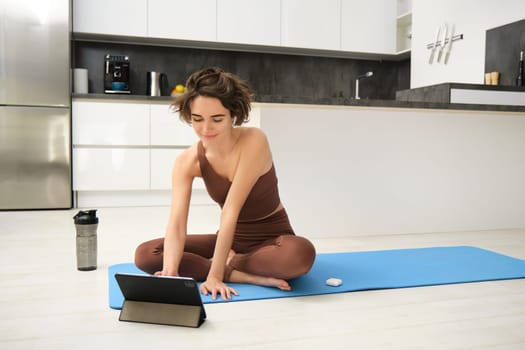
pixel 255 242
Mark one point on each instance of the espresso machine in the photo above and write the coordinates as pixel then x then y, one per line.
pixel 116 74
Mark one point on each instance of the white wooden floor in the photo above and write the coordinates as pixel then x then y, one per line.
pixel 45 303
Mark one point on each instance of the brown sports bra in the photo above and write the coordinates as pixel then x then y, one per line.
pixel 262 200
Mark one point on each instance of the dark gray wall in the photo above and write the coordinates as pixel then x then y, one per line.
pixel 502 50
pixel 273 77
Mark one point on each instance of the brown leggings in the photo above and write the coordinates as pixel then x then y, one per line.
pixel 266 248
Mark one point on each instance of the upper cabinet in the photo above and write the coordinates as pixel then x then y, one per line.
pixel 369 26
pixel 404 25
pixel 337 27
pixel 404 32
pixel 311 24
pixel 186 20
pixel 249 22
pixel 113 17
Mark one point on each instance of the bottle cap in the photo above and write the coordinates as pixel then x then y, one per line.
pixel 86 217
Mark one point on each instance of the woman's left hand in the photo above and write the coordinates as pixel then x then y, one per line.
pixel 216 287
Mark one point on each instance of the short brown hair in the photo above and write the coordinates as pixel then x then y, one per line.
pixel 234 93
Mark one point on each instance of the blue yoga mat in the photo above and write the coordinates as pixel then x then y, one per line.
pixel 382 269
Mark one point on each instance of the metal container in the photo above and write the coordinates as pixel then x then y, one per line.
pixel 154 82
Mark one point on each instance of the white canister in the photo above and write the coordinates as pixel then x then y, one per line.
pixel 80 80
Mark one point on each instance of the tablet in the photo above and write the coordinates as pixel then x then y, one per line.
pixel 160 300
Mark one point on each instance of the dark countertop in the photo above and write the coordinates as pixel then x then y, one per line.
pixel 334 101
pixel 471 86
pixel 440 93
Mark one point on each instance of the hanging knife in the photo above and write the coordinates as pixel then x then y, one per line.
pixel 443 40
pixel 449 44
pixel 431 58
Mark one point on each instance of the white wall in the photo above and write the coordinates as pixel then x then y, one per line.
pixel 358 171
pixel 404 6
pixel 472 18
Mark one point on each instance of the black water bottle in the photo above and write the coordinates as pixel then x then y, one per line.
pixel 86 223
pixel 520 79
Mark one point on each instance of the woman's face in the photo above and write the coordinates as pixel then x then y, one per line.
pixel 210 119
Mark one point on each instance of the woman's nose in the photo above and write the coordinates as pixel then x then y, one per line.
pixel 208 125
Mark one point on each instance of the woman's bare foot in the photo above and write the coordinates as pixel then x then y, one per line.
pixel 243 277
pixel 273 282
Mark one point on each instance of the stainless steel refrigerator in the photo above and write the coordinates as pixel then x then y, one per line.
pixel 35 101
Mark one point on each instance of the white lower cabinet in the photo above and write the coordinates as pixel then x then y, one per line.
pixel 123 152
pixel 126 146
pixel 110 123
pixel 162 166
pixel 166 128
pixel 116 169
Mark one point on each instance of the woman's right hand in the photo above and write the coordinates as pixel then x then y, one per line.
pixel 217 287
pixel 165 273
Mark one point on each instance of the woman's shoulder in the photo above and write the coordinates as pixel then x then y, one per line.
pixel 188 160
pixel 254 136
pixel 251 130
pixel 255 148
pixel 188 154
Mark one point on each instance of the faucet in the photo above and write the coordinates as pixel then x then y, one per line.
pixel 366 75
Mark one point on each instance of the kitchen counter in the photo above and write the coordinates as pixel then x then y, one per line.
pixel 454 93
pixel 419 169
pixel 404 101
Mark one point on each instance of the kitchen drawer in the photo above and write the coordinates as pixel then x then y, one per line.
pixel 106 123
pixel 168 130
pixel 162 167
pixel 97 169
